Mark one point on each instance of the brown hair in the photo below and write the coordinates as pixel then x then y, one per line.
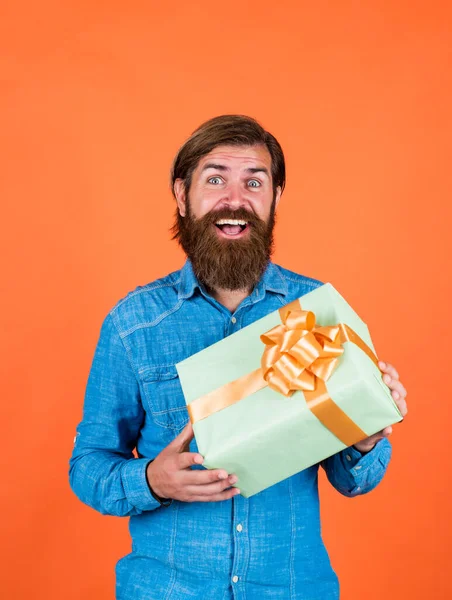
pixel 230 130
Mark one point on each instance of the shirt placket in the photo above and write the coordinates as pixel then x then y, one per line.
pixel 240 528
pixel 241 546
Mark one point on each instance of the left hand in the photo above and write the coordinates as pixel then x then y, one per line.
pixel 391 379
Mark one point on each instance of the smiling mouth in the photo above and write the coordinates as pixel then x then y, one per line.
pixel 232 227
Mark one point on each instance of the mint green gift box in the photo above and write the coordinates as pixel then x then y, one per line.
pixel 267 437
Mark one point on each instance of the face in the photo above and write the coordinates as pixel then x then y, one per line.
pixel 231 177
pixel 225 222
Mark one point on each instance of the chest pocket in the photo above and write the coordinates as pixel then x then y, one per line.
pixel 164 397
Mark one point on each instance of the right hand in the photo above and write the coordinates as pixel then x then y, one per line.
pixel 170 475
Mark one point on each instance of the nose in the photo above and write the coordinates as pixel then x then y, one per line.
pixel 234 197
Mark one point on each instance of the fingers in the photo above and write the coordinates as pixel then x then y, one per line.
pixel 185 460
pixel 210 489
pixel 207 477
pixel 226 495
pixel 391 379
pixel 389 369
pixel 204 485
pixel 380 434
pixel 398 392
pixel 369 443
pixel 386 432
pixel 402 406
pixel 398 388
pixel 182 441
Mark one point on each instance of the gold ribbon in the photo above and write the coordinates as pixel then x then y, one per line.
pixel 300 356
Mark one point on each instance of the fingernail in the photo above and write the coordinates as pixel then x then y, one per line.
pixel 395 395
pixel 237 491
pixel 233 479
pixel 382 364
pixel 222 475
pixel 387 379
pixel 199 460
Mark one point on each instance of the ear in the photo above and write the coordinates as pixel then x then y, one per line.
pixel 179 192
pixel 278 195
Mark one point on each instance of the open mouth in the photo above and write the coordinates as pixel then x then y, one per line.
pixel 232 227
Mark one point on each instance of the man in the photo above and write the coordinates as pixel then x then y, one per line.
pixel 193 535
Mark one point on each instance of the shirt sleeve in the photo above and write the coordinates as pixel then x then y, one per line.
pixel 103 473
pixel 353 473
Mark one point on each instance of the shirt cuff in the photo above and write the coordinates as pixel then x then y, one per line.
pixel 359 463
pixel 136 484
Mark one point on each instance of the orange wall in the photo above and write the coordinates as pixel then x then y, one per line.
pixel 95 100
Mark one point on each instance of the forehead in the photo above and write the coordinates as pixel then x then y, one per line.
pixel 238 156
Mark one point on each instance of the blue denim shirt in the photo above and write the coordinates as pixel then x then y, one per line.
pixel 266 546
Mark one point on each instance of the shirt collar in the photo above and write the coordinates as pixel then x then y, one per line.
pixel 271 281
pixel 188 282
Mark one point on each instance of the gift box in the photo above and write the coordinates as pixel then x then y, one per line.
pixel 287 391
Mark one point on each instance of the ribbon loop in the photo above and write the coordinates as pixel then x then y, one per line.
pixel 297 353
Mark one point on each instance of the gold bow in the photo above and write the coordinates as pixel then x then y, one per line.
pixel 297 353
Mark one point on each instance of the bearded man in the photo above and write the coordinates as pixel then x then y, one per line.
pixel 193 535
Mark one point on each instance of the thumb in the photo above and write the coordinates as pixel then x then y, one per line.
pixel 182 441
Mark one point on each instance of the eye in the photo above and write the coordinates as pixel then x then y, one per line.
pixel 215 180
pixel 254 183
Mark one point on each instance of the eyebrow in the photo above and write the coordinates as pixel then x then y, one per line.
pixel 224 168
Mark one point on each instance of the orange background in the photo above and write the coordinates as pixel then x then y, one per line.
pixel 95 100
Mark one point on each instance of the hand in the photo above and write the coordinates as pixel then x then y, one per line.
pixel 391 378
pixel 170 475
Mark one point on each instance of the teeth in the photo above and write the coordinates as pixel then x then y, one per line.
pixel 231 222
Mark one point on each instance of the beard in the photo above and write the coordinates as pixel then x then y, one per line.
pixel 221 263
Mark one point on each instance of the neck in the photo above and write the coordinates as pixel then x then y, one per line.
pixel 230 298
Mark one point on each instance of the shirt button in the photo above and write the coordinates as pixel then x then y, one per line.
pixel 239 527
pixel 233 320
pixel 235 579
pixel 348 457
